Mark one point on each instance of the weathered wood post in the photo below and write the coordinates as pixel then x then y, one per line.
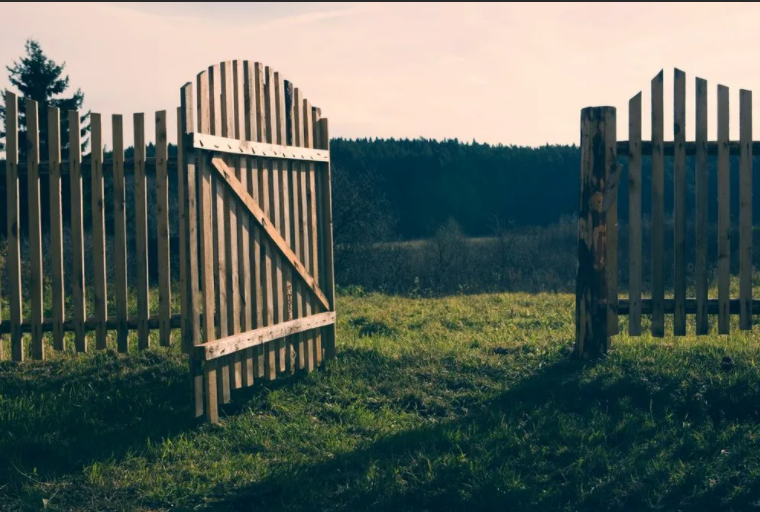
pixel 599 177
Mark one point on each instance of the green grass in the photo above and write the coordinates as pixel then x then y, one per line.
pixel 461 403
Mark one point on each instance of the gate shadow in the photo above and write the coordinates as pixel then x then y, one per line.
pixel 64 414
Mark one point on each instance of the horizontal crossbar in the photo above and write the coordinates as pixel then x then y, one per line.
pixel 689 147
pixel 259 149
pixel 92 323
pixel 691 306
pixel 237 342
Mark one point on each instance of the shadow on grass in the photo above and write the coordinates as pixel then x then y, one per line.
pixel 61 415
pixel 520 452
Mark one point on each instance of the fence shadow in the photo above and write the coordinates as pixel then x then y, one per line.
pixel 65 414
pixel 343 482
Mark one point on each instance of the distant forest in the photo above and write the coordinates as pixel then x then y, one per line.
pixel 426 182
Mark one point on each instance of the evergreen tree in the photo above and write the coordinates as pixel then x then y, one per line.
pixel 39 78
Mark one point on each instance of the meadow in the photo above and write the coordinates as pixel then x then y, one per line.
pixel 466 402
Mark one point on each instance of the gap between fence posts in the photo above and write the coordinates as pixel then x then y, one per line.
pixel 599 175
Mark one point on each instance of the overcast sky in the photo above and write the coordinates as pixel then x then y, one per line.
pixel 497 73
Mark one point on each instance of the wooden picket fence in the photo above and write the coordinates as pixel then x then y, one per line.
pixel 255 231
pixel 597 301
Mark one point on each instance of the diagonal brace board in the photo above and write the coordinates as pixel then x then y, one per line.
pixel 229 176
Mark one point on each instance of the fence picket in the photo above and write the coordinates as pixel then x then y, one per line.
pixel 724 213
pixel 701 207
pixel 77 233
pixel 56 224
pixel 244 243
pixel 120 233
pixel 141 239
pixel 306 208
pixel 220 246
pixel 634 214
pixel 679 201
pixel 162 212
pixel 295 203
pixel 314 228
pixel 231 224
pixel 326 222
pixel 14 226
pixel 35 227
pixel 745 209
pixel 288 359
pixel 658 209
pixel 206 238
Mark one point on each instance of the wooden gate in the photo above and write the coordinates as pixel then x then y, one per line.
pixel 250 197
pixel 256 231
pixel 597 301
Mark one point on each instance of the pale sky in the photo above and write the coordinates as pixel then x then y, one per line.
pixel 497 73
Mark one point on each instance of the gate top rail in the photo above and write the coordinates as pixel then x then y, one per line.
pixel 261 149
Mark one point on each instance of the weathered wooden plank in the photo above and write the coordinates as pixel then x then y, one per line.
pixel 711 306
pixel 287 361
pixel 35 226
pixel 244 241
pixel 227 175
pixel 658 207
pixel 98 230
pixel 141 228
pixel 220 245
pixel 314 227
pixel 598 131
pixel 231 224
pixel 745 209
pixel 295 214
pixel 700 269
pixel 256 120
pixel 186 336
pixel 724 214
pixel 14 226
pixel 634 214
pixel 89 324
pixel 679 201
pixel 273 262
pixel 262 335
pixel 56 224
pixel 691 147
pixel 206 235
pixel 162 213
pixel 79 302
pixel 308 340
pixel 329 333
pixel 258 149
pixel 310 242
pixel 189 288
pixel 120 233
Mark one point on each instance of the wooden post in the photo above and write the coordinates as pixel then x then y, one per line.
pixel 598 167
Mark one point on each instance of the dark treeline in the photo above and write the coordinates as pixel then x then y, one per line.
pixel 427 182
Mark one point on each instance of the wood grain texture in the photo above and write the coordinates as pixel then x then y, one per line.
pixel 141 232
pixel 120 233
pixel 79 302
pixel 327 238
pixel 14 226
pixel 598 158
pixel 162 214
pixel 724 214
pixel 35 226
pixel 635 254
pixel 700 267
pixel 239 342
pixel 56 225
pixel 658 208
pixel 679 202
pixel 295 214
pixel 745 210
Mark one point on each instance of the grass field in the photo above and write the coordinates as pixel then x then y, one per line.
pixel 459 403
